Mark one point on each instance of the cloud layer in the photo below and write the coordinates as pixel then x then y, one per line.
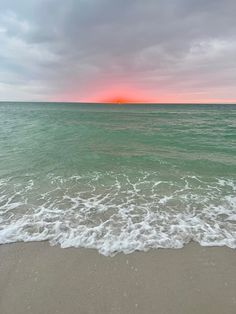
pixel 87 50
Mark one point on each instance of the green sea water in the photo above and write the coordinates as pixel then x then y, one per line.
pixel 118 177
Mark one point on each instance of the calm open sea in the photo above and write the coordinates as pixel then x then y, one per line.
pixel 118 178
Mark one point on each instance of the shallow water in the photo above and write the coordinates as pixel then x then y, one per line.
pixel 118 178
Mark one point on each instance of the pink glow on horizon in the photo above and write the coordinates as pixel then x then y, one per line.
pixel 123 98
pixel 104 92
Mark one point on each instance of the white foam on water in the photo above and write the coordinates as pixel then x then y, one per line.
pixel 118 213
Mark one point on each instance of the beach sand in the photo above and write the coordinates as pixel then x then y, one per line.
pixel 40 279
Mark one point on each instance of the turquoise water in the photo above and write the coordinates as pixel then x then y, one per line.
pixel 118 178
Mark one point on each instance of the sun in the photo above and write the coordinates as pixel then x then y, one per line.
pixel 120 100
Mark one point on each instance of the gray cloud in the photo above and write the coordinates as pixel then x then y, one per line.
pixel 77 49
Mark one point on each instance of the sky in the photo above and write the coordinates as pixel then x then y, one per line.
pixel 118 50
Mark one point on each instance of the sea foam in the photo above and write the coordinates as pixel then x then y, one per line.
pixel 115 213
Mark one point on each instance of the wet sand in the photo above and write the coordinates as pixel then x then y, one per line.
pixel 39 279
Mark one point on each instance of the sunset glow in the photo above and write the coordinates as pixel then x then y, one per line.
pixel 121 100
pixel 118 100
pixel 119 93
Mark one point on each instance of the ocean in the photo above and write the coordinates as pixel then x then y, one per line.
pixel 118 178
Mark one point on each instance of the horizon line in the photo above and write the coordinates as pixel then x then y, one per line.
pixel 119 104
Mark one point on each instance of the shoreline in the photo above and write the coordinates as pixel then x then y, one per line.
pixel 38 278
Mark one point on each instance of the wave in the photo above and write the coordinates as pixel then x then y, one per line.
pixel 115 213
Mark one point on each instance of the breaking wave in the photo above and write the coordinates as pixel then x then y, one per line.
pixel 118 212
